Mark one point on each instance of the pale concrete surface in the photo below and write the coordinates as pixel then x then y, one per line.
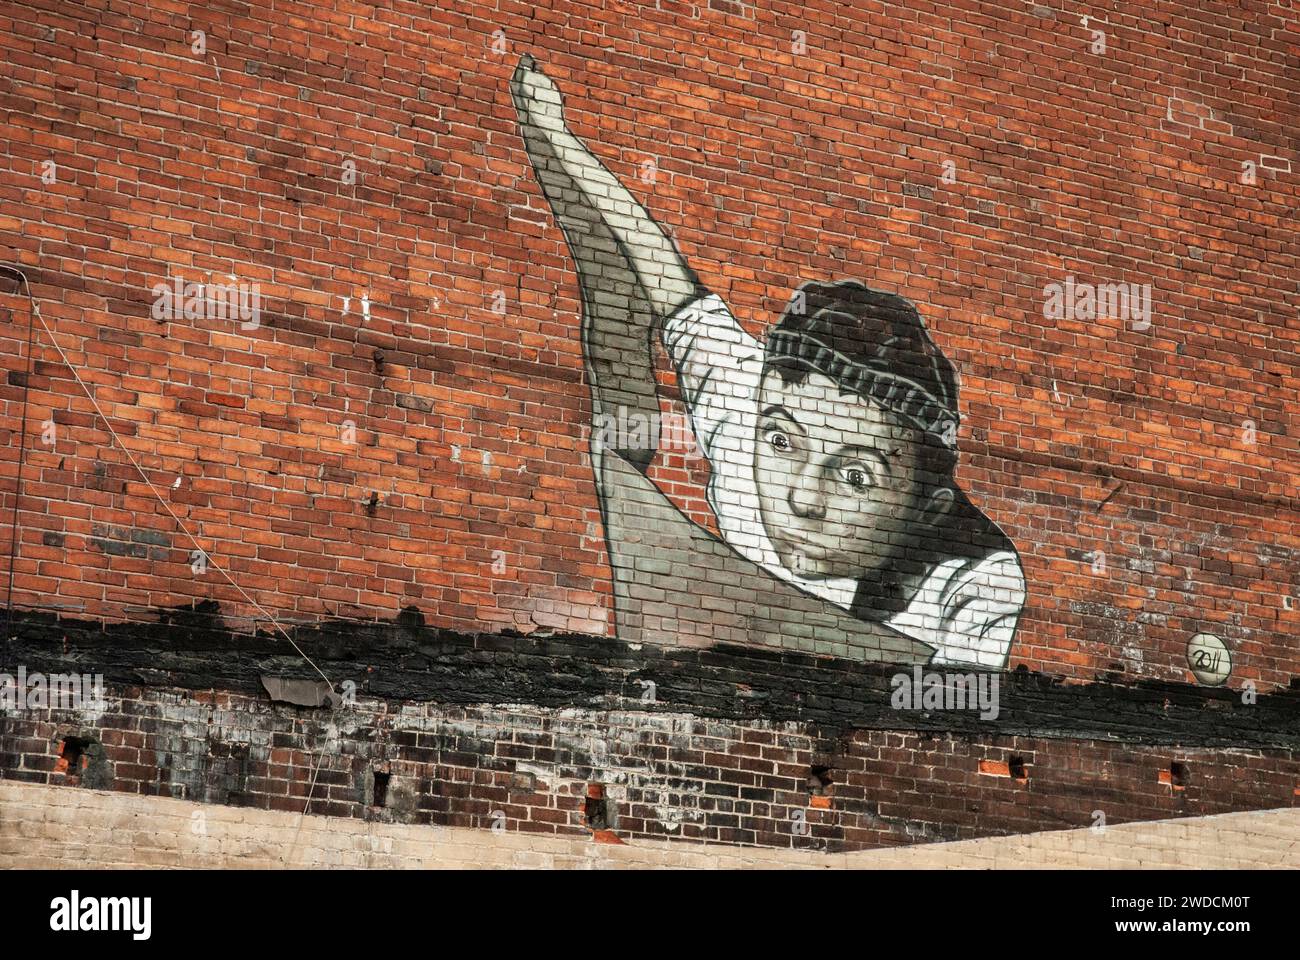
pixel 51 827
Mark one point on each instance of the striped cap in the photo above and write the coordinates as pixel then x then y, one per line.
pixel 873 344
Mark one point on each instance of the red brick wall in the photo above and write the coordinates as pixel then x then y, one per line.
pixel 661 776
pixel 772 167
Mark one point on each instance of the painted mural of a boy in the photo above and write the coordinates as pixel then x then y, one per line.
pixel 832 445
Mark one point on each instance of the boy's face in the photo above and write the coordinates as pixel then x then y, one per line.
pixel 838 478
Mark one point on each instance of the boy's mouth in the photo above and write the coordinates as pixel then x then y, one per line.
pixel 801 543
pixel 798 555
pixel 796 545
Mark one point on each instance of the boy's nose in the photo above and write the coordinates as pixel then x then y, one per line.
pixel 805 497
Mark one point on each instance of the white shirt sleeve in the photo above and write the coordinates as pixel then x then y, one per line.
pixel 967 611
pixel 719 367
pixel 719 371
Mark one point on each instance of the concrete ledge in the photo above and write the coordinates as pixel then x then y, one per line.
pixel 67 827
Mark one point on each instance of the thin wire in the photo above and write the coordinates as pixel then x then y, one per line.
pixel 22 459
pixel 302 817
pixel 36 311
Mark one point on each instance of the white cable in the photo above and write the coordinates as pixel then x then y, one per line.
pixel 140 470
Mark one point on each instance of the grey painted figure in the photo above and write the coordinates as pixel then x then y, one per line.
pixel 832 448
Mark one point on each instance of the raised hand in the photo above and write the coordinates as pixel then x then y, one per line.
pixel 536 98
pixel 582 191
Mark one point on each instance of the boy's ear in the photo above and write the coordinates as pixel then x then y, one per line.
pixel 940 503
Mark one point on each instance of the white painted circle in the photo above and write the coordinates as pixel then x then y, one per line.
pixel 1210 659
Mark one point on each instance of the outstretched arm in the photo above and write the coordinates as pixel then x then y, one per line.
pixel 631 275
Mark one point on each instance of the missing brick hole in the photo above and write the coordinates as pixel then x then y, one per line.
pixel 819 780
pixel 595 811
pixel 1016 767
pixel 381 788
pixel 1178 774
pixel 73 755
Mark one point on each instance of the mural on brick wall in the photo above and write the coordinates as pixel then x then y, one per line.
pixel 832 447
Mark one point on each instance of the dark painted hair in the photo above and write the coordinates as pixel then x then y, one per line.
pixel 873 344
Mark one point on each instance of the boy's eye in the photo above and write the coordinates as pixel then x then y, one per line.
pixel 856 476
pixel 779 441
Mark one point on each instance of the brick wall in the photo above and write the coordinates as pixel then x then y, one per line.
pixel 403 433
pixel 772 167
pixel 628 774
